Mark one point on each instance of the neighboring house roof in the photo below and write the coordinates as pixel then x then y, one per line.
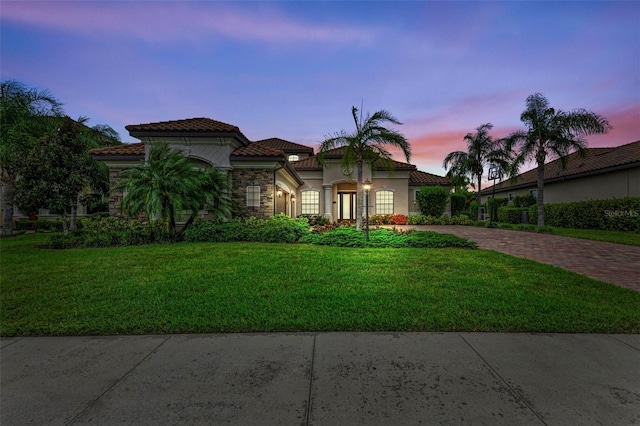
pixel 418 178
pixel 598 160
pixel 200 126
pixel 131 151
pixel 285 146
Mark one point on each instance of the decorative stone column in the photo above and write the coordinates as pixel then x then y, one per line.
pixel 328 205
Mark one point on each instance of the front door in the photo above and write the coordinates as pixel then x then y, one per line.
pixel 347 201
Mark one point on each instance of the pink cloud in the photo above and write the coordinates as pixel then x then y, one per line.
pixel 161 22
pixel 626 128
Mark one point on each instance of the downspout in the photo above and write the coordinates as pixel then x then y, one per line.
pixel 274 188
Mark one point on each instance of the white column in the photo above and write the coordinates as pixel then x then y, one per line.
pixel 328 205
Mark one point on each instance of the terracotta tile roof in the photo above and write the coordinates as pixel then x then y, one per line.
pixel 286 146
pixel 418 178
pixel 312 163
pixel 308 164
pixel 598 160
pixel 199 126
pixel 254 150
pixel 133 150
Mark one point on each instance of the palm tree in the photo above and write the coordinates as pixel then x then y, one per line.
pixel 552 133
pixel 366 145
pixel 167 184
pixel 24 118
pixel 482 151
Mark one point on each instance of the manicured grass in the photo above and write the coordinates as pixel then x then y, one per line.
pixel 620 237
pixel 253 287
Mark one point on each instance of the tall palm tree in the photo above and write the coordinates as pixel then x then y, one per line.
pixel 482 151
pixel 366 145
pixel 167 184
pixel 24 118
pixel 552 133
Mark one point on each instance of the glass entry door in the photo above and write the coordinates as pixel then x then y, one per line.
pixel 347 205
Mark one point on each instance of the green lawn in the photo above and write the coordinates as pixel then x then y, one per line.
pixel 242 287
pixel 620 237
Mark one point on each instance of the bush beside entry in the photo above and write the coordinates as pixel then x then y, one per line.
pixel 432 200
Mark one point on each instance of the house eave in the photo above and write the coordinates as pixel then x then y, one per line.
pixel 144 134
pixel 534 184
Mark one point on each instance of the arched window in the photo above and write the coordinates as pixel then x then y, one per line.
pixel 310 201
pixel 384 202
pixel 294 157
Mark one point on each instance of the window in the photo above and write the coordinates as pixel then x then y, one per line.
pixel 294 157
pixel 384 202
pixel 253 196
pixel 310 202
pixel 511 196
pixel 534 192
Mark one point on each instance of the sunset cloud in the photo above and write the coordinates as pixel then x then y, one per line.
pixel 176 21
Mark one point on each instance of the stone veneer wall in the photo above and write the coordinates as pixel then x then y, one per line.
pixel 115 197
pixel 240 179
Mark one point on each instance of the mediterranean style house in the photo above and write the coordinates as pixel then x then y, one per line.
pixel 271 176
pixel 603 174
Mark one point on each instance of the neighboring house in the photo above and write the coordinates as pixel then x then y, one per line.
pixel 604 173
pixel 271 176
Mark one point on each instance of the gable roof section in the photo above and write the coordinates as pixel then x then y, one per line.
pixel 598 160
pixel 200 126
pixel 418 178
pixel 285 146
pixel 132 151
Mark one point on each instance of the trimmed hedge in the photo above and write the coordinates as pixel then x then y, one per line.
pixel 511 215
pixel 420 219
pixel 621 214
pixel 432 200
pixel 111 231
pixel 276 229
pixel 386 238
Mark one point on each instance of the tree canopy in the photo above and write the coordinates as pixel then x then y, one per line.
pixel 167 184
pixel 366 145
pixel 551 132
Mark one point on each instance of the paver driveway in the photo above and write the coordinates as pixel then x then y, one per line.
pixel 614 263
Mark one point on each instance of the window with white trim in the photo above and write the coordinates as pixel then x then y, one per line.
pixel 310 202
pixel 384 202
pixel 294 157
pixel 253 196
pixel 534 192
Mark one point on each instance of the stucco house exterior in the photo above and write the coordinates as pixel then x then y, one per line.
pixel 271 176
pixel 604 173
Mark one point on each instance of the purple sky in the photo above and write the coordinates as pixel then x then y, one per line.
pixel 294 69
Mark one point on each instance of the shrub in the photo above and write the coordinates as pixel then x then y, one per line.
pixel 316 220
pixel 511 214
pixel 111 231
pixel 386 238
pixel 621 214
pixel 432 200
pixel 494 204
pixel 276 229
pixel 524 201
pixel 472 210
pixel 458 204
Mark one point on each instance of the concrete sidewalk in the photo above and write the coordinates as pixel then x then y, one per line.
pixel 322 379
